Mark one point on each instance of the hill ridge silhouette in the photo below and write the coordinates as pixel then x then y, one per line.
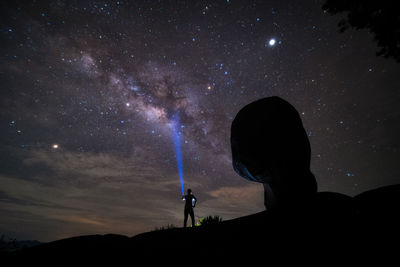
pixel 307 233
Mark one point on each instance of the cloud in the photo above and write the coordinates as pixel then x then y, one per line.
pixel 230 196
pixel 83 164
pixel 233 201
pixel 109 207
pixel 91 193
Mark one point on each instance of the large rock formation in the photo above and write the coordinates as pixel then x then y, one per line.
pixel 270 146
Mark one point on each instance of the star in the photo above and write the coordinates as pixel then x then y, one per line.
pixel 271 42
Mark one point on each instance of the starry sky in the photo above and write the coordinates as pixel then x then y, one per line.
pixel 90 89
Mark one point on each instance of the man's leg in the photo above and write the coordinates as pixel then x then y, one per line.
pixel 192 217
pixel 185 219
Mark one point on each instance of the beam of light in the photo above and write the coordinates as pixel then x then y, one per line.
pixel 176 136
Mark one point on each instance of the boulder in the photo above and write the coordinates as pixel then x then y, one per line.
pixel 270 146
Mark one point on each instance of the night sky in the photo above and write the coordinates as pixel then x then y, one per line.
pixel 90 89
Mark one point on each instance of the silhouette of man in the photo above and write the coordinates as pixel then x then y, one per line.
pixel 190 202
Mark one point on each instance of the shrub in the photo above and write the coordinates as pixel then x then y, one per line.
pixel 210 220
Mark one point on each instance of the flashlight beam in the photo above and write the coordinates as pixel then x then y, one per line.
pixel 176 135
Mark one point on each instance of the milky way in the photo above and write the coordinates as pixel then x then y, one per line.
pixel 89 91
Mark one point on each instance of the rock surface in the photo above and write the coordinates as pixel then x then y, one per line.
pixel 270 146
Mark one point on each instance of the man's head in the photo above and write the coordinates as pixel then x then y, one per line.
pixel 270 146
pixel 189 191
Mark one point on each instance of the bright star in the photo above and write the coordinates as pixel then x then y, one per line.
pixel 272 42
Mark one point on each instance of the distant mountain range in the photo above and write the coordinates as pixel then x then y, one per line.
pixel 8 244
